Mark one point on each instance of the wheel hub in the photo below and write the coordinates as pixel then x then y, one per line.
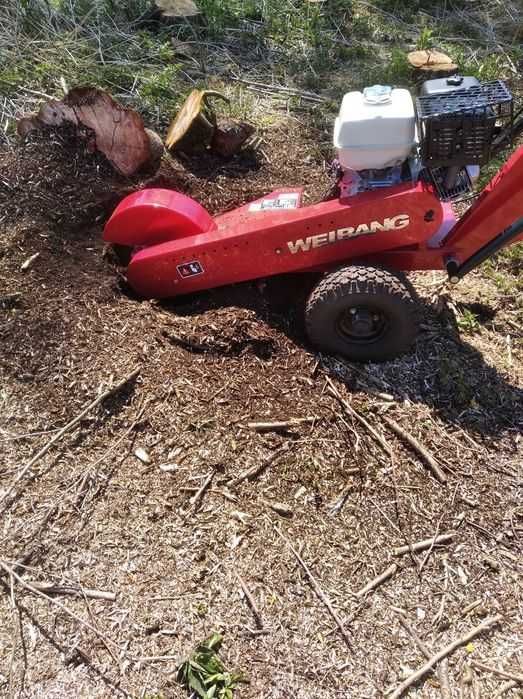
pixel 361 324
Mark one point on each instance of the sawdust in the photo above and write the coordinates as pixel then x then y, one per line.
pixel 92 513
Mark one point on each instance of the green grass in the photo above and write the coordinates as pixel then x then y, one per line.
pixel 328 47
pixel 506 269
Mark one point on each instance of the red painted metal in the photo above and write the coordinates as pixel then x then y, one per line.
pixel 498 206
pixel 153 216
pixel 183 249
pixel 249 244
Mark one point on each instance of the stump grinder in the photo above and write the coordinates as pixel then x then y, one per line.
pixel 402 163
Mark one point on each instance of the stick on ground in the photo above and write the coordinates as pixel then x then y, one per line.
pixel 514 676
pixel 505 687
pixel 50 589
pixel 425 455
pixel 250 601
pixel 28 586
pixel 377 580
pixel 350 410
pixel 425 544
pixel 443 653
pixel 442 669
pixel 195 500
pixel 251 473
pixel 317 589
pixel 276 425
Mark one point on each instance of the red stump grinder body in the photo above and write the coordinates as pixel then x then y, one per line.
pixel 386 220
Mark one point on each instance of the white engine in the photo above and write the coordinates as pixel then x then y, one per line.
pixel 375 129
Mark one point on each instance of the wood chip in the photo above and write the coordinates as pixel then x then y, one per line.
pixel 25 266
pixel 142 455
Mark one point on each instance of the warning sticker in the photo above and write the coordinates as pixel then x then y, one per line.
pixel 190 269
pixel 281 202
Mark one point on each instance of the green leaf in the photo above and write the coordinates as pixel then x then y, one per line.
pixel 194 682
pixel 214 642
pixel 203 672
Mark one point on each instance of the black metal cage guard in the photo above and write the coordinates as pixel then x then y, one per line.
pixel 458 128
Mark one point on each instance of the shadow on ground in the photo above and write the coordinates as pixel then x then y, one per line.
pixel 444 371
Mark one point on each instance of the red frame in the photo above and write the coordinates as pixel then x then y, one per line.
pixel 182 249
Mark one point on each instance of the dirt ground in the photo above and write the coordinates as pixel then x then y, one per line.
pixel 90 514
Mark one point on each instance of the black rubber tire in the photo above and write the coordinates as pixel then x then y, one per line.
pixel 381 291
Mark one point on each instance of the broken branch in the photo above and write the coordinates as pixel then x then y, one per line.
pixel 251 602
pixel 350 410
pixel 425 544
pixel 317 589
pixel 377 580
pixel 515 677
pixel 72 423
pixel 251 473
pixel 50 589
pixel 200 492
pixel 443 653
pixel 442 673
pixel 28 586
pixel 276 426
pixel 425 455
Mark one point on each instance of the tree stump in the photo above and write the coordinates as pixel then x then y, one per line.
pixel 430 64
pixel 193 128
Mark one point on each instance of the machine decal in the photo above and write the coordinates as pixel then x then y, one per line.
pixel 190 269
pixel 283 201
pixel 316 241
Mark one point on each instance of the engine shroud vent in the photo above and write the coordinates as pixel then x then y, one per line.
pixel 437 177
pixel 457 128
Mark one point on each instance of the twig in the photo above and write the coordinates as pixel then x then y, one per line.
pixel 251 473
pixel 439 614
pixel 50 589
pixel 427 555
pixel 470 607
pixel 442 673
pixel 317 589
pixel 342 499
pixel 200 492
pixel 350 410
pixel 443 676
pixel 513 676
pixel 56 603
pixel 425 544
pixel 251 602
pixel 377 580
pixel 280 425
pixel 443 653
pixel 99 399
pixel 425 455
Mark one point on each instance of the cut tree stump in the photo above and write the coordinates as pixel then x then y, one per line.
pixel 114 130
pixel 431 64
pixel 193 127
pixel 196 128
